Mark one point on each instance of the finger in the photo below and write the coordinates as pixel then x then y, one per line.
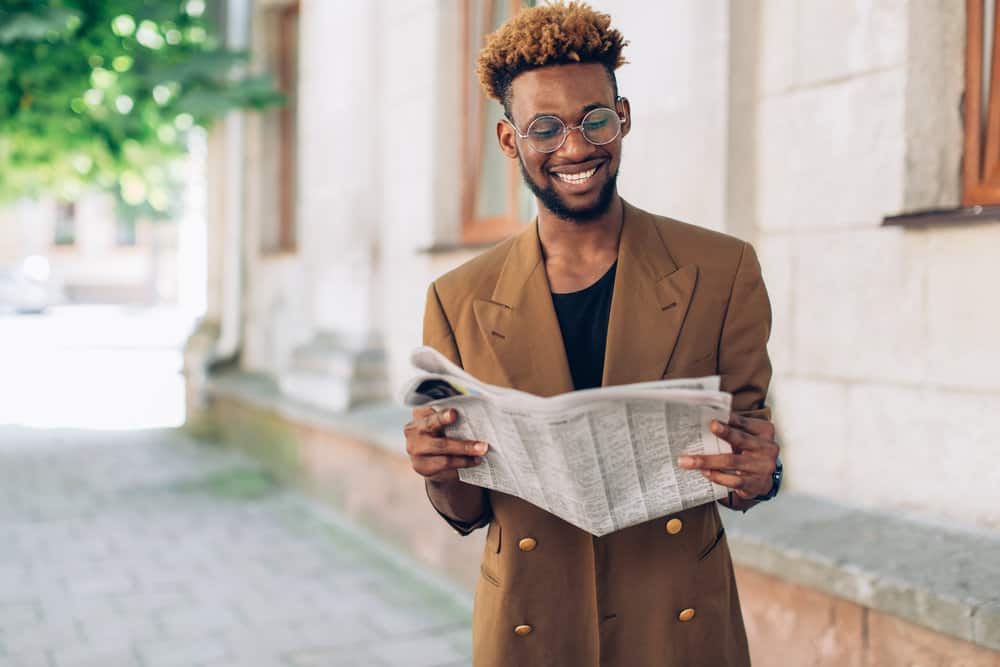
pixel 747 463
pixel 421 412
pixel 739 439
pixel 745 486
pixel 428 466
pixel 448 446
pixel 758 427
pixel 726 479
pixel 438 419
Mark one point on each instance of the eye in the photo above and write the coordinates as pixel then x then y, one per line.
pixel 596 123
pixel 545 128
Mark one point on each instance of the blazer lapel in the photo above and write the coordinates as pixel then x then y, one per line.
pixel 650 300
pixel 520 322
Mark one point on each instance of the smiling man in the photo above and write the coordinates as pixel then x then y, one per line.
pixel 596 292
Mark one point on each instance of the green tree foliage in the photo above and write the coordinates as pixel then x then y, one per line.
pixel 103 92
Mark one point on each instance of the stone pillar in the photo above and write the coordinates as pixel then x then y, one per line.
pixel 343 365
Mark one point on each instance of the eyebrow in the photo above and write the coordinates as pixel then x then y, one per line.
pixel 583 112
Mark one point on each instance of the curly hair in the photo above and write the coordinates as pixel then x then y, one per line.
pixel 551 34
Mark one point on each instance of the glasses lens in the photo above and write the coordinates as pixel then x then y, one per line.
pixel 601 126
pixel 546 133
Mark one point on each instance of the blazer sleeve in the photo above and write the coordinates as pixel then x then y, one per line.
pixel 439 335
pixel 743 361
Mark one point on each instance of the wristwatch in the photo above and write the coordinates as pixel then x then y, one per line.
pixel 775 482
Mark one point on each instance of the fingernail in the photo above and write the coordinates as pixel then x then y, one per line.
pixel 480 448
pixel 450 415
pixel 716 428
pixel 685 461
pixel 706 473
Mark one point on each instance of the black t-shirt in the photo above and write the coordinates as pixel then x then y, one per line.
pixel 583 319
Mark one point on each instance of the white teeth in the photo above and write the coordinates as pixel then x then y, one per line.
pixel 577 178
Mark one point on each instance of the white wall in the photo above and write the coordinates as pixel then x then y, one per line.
pixel 674 160
pixel 885 367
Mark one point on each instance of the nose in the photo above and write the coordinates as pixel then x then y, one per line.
pixel 575 147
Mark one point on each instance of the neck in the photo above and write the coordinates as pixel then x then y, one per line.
pixel 581 240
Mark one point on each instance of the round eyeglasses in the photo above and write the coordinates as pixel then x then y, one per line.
pixel 547 134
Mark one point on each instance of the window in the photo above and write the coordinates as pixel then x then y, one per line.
pixel 495 203
pixel 280 127
pixel 981 168
pixel 125 232
pixel 64 231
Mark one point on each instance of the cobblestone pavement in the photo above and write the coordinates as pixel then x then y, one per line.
pixel 147 548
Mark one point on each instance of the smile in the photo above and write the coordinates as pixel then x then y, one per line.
pixel 579 177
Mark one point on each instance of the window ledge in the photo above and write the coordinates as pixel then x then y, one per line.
pixel 944 216
pixel 929 574
pixel 449 248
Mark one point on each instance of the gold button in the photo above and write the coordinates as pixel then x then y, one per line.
pixel 527 544
pixel 686 615
pixel 522 630
pixel 674 526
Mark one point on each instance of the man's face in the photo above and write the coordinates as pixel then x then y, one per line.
pixel 569 92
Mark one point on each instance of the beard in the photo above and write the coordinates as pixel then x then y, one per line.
pixel 551 200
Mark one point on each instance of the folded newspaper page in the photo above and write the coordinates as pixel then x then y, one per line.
pixel 601 459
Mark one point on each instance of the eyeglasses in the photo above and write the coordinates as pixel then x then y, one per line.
pixel 547 134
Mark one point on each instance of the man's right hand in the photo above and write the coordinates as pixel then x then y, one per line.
pixel 432 455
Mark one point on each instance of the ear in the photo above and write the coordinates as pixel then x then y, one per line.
pixel 625 112
pixel 507 138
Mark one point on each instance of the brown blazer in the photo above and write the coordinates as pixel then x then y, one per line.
pixel 687 302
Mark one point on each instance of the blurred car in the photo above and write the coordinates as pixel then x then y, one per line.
pixel 28 288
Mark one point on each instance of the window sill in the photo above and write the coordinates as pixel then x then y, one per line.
pixel 448 248
pixel 942 217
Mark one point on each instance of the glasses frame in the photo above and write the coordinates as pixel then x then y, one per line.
pixel 622 119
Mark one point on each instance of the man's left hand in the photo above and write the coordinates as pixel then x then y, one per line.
pixel 748 470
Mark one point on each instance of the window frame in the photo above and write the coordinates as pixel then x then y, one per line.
pixel 981 160
pixel 287 78
pixel 481 230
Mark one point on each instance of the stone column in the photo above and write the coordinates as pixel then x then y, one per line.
pixel 343 365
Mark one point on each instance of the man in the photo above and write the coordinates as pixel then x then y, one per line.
pixel 596 292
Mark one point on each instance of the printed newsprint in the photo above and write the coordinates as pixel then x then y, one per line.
pixel 602 459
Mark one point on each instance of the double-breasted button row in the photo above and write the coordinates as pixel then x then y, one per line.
pixel 674 526
pixel 525 544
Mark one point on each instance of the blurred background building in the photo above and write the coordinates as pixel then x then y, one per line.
pixel 856 145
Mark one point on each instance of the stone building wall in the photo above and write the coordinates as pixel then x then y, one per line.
pixel 798 126
pixel 885 367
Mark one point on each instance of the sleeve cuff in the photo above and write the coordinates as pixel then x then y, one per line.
pixel 465 527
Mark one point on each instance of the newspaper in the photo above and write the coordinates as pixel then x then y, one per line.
pixel 601 459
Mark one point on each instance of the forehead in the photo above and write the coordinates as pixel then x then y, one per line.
pixel 563 90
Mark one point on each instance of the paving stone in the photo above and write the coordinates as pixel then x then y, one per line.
pixel 334 658
pixel 34 659
pixel 16 617
pixel 118 654
pixel 136 549
pixel 42 636
pixel 419 652
pixel 205 621
pixel 182 653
